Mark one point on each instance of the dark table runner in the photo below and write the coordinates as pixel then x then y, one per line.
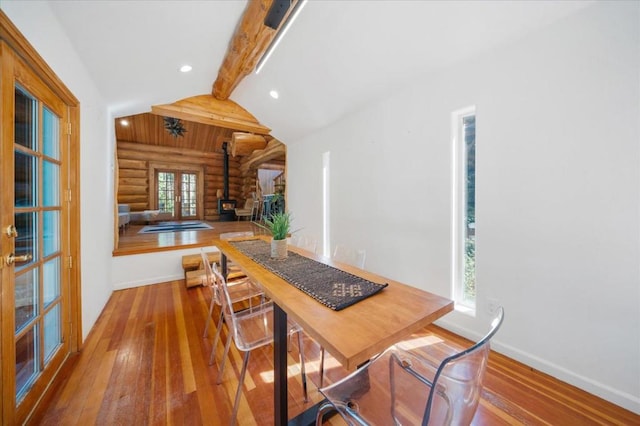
pixel 330 286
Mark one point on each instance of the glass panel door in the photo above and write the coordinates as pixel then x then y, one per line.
pixel 167 193
pixel 188 198
pixel 37 160
pixel 38 248
pixel 177 194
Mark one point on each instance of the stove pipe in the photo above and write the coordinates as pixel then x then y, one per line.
pixel 225 171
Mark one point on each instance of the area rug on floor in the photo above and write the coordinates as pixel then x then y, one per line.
pixel 174 227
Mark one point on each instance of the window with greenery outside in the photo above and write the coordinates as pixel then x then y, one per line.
pixel 469 129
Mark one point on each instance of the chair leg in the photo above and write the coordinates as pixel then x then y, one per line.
pixel 239 391
pixel 212 356
pixel 224 359
pixel 321 366
pixel 302 368
pixel 206 327
pixel 322 410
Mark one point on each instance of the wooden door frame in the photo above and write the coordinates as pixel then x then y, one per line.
pixel 12 42
pixel 154 167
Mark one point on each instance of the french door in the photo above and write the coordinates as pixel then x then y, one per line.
pixel 35 245
pixel 177 194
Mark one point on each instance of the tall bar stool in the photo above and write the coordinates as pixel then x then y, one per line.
pixel 239 291
pixel 251 329
pixel 414 385
pixel 344 254
pixel 354 257
pixel 305 242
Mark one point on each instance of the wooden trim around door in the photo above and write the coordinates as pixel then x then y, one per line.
pixel 13 41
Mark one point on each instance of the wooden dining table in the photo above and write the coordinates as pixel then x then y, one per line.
pixel 352 335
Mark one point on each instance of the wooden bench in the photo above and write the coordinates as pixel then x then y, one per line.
pixel 194 272
pixel 194 278
pixel 194 269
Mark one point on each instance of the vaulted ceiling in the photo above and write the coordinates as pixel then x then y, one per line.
pixel 338 55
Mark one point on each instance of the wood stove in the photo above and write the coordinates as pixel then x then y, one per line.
pixel 226 210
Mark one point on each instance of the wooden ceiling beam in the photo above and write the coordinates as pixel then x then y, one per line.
pixel 246 143
pixel 274 150
pixel 273 165
pixel 206 109
pixel 249 42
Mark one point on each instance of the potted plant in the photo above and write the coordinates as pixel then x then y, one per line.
pixel 278 225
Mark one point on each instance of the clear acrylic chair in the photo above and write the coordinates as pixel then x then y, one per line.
pixel 251 329
pixel 412 386
pixel 344 254
pixel 305 242
pixel 354 257
pixel 239 291
pixel 232 270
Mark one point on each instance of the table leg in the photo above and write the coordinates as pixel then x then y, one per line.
pixel 223 265
pixel 280 333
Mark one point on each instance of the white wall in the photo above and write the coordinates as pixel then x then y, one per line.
pixel 558 187
pixel 151 268
pixel 38 24
pixel 558 193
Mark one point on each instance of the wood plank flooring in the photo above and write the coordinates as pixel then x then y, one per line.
pixel 145 362
pixel 130 242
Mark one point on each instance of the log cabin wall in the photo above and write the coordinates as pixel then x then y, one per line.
pixel 249 188
pixel 136 162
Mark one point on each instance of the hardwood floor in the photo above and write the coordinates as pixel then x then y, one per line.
pixel 131 242
pixel 145 362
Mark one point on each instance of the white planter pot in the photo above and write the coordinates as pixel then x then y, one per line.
pixel 279 249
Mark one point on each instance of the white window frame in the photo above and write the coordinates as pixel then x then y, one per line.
pixel 326 206
pixel 459 205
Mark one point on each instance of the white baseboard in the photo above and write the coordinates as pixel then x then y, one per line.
pixel 147 281
pixel 615 396
pixel 150 268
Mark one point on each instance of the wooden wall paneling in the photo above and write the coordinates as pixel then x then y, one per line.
pixel 137 206
pixel 217 182
pixel 124 163
pixel 129 199
pixel 168 150
pixel 156 156
pixel 136 182
pixel 249 184
pixel 132 173
pixel 133 189
pixel 148 129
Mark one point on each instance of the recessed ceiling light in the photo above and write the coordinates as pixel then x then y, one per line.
pixel 186 68
pixel 124 122
pixel 274 94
